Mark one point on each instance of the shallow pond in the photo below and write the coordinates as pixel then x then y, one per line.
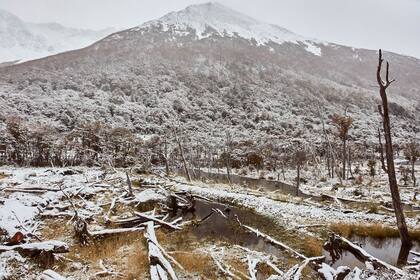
pixel 385 249
pixel 219 228
pixel 253 183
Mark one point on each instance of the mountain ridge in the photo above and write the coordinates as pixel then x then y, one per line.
pixel 22 41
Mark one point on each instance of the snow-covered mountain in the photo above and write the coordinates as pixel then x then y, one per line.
pixel 213 18
pixel 20 40
pixel 214 70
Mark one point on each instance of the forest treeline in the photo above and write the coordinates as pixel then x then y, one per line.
pixel 98 144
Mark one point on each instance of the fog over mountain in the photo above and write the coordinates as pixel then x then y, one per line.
pixel 21 40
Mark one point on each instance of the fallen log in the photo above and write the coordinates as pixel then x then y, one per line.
pixel 296 273
pixel 33 189
pixel 415 253
pixel 337 244
pixel 107 232
pixel 265 259
pixel 53 246
pixel 107 216
pixel 107 271
pixel 24 190
pixel 252 268
pixel 156 220
pixel 327 272
pixel 160 267
pixel 271 240
pixel 223 268
pixel 314 262
pixel 51 275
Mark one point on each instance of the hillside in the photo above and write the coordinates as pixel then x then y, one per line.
pixel 214 70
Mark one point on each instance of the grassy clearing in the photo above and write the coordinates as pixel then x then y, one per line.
pixel 370 230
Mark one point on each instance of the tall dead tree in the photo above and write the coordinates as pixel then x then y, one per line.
pixel 395 194
pixel 381 147
pixel 343 124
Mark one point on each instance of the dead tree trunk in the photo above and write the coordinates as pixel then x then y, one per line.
pixel 130 187
pixel 166 157
pixel 344 158
pixel 297 179
pixel 328 164
pixel 381 151
pixel 396 201
pixel 228 155
pixel 184 161
pixel 349 163
pixel 413 173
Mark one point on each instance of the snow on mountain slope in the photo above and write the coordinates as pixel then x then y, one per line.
pixel 168 70
pixel 214 18
pixel 20 41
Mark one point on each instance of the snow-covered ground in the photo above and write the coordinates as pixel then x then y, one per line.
pixel 362 186
pixel 35 202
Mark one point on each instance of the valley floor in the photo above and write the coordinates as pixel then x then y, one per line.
pixel 217 230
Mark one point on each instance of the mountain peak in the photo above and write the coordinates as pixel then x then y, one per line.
pixel 213 18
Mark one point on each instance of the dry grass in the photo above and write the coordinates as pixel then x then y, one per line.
pixel 238 266
pixel 197 263
pixel 264 270
pixel 370 230
pixel 106 248
pixel 313 246
pixel 56 229
pixel 137 264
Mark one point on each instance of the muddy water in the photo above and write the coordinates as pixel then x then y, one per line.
pixel 385 249
pixel 253 183
pixel 218 228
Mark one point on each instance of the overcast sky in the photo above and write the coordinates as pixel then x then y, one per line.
pixel 390 24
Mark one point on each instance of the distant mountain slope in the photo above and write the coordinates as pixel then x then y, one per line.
pixel 214 70
pixel 20 40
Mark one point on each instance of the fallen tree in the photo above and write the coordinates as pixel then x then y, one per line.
pixel 337 244
pixel 38 247
pixel 160 267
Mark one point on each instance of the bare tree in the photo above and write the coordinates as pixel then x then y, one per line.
pixel 228 154
pixel 181 151
pixel 330 147
pixel 396 200
pixel 412 153
pixel 299 159
pixel 343 124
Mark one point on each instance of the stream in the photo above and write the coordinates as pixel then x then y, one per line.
pixel 252 183
pixel 217 228
pixel 385 249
